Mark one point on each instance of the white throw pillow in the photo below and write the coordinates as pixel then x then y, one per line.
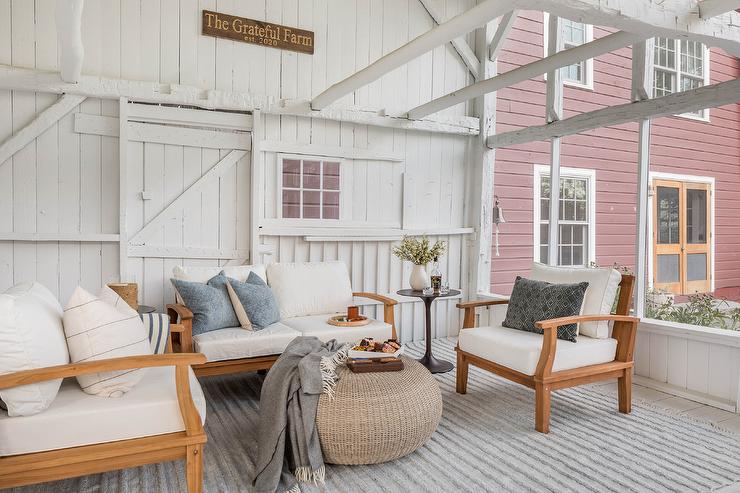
pixel 603 284
pixel 310 288
pixel 203 274
pixel 31 336
pixel 100 328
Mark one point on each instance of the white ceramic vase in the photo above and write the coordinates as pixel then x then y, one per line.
pixel 419 278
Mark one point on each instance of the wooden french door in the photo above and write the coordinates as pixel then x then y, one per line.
pixel 681 237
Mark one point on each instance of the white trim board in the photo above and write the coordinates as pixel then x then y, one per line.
pixel 158 251
pixel 709 180
pixel 329 151
pixel 61 237
pixel 173 115
pixel 544 170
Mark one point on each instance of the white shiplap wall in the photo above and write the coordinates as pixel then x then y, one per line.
pixel 67 183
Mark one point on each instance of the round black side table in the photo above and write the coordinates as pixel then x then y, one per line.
pixel 433 364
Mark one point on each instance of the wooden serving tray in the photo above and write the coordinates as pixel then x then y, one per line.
pixel 341 321
pixel 374 365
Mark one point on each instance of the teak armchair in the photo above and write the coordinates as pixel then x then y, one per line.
pixel 181 318
pixel 25 469
pixel 545 380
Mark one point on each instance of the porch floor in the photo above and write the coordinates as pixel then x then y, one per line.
pixel 678 405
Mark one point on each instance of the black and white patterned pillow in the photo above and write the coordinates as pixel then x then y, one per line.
pixel 534 301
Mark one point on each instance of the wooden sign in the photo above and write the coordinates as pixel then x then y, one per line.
pixel 257 32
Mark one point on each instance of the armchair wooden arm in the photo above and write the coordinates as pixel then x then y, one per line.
pixel 181 362
pixel 470 306
pixel 184 329
pixel 388 304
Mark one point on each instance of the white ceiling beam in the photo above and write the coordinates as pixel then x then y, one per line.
pixel 673 104
pixel 563 58
pixel 669 18
pixel 712 8
pixel 502 32
pixel 69 35
pixel 32 80
pixel 457 26
pixel 38 125
pixel 459 44
pixel 554 88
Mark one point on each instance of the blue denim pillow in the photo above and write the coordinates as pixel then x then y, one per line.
pixel 209 303
pixel 258 301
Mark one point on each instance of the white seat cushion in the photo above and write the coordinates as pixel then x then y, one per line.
pixel 76 418
pixel 317 326
pixel 603 284
pixel 310 288
pixel 236 343
pixel 520 350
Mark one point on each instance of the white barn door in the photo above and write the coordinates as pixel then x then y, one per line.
pixel 188 193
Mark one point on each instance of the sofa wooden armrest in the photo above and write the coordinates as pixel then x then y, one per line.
pixel 470 306
pixel 23 469
pixel 388 304
pixel 181 323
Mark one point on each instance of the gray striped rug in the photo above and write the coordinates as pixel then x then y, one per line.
pixel 486 442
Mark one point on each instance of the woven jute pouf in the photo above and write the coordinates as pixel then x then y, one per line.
pixel 377 417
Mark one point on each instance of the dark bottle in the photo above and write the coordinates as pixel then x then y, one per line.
pixel 436 276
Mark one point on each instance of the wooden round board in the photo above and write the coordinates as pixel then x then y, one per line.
pixel 341 321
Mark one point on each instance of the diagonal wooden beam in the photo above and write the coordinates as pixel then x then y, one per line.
pixel 459 44
pixel 502 32
pixel 216 171
pixel 40 124
pixel 665 18
pixel 712 8
pixel 673 104
pixel 457 26
pixel 564 58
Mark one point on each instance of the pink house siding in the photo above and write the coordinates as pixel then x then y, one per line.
pixel 678 145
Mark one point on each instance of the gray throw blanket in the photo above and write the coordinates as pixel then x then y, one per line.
pixel 288 442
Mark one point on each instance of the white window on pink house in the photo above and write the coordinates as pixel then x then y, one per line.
pixel 310 188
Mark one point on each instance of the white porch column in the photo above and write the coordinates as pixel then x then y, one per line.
pixel 480 212
pixel 642 87
pixel 554 112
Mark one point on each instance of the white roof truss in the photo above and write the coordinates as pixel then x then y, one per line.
pixel 502 31
pixel 673 104
pixel 459 44
pixel 711 8
pixel 455 27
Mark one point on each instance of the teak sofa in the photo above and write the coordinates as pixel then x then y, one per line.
pixel 308 294
pixel 545 363
pixel 85 434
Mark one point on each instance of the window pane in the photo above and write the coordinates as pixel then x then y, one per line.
pixel 311 205
pixel 543 234
pixel 566 255
pixel 668 215
pixel 311 174
pixel 696 267
pixel 667 268
pixel 545 209
pixel 545 193
pixel 566 234
pixel 692 53
pixel 578 235
pixel 696 216
pixel 331 176
pixel 580 189
pixel 570 210
pixel 581 211
pixel 578 255
pixel 291 173
pixel 543 254
pixel 567 190
pixel 291 204
pixel 330 208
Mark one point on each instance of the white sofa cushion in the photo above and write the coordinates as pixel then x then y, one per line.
pixel 310 288
pixel 520 350
pixel 235 343
pixel 317 326
pixel 31 336
pixel 104 327
pixel 76 418
pixel 603 284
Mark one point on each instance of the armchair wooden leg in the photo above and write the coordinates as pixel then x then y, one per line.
pixel 194 468
pixel 624 387
pixel 462 374
pixel 542 408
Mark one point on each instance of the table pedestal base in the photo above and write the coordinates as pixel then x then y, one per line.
pixel 435 365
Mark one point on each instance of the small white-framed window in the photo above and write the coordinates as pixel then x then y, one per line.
pixel 577 224
pixel 680 65
pixel 310 187
pixel 573 33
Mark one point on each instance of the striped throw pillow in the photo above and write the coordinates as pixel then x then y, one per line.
pixel 158 327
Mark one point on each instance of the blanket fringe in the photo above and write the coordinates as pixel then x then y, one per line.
pixel 294 489
pixel 329 369
pixel 306 475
